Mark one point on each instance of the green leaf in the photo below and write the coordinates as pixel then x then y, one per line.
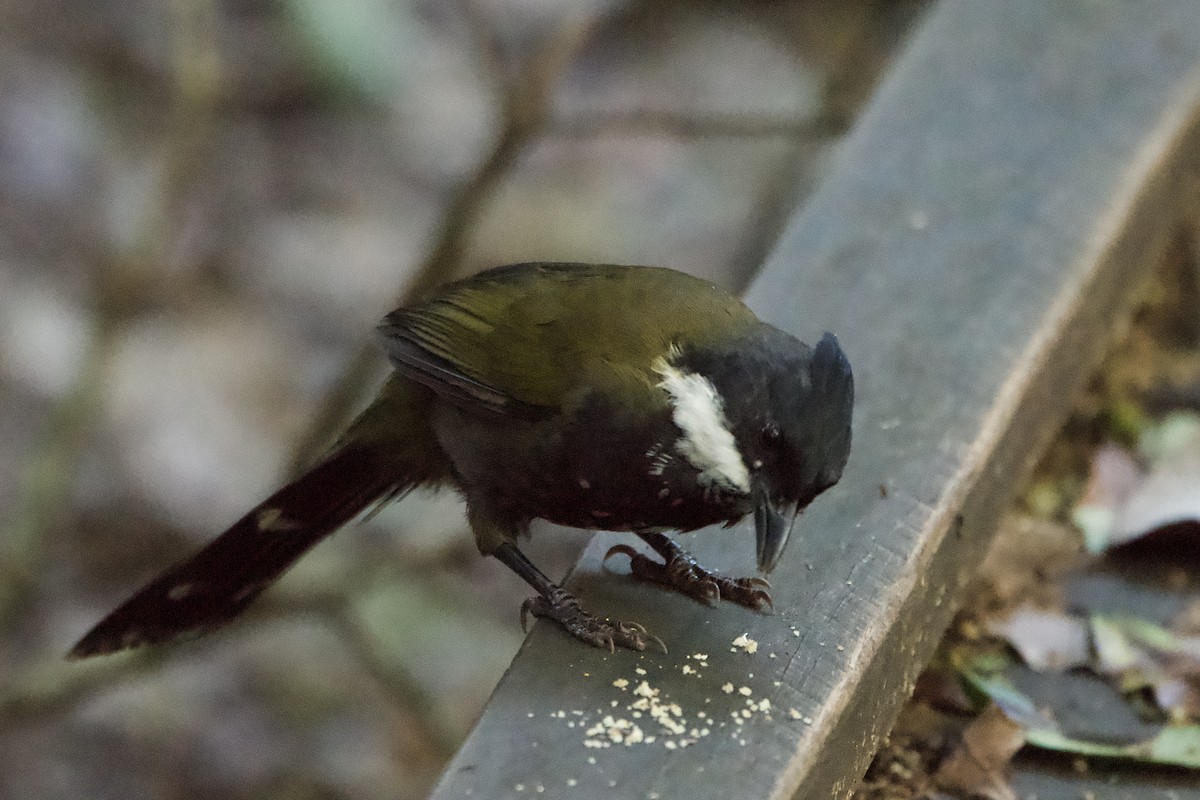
pixel 1114 652
pixel 1177 745
pixel 1176 432
pixel 1174 745
pixel 1096 524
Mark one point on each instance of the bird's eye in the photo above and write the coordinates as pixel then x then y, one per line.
pixel 770 433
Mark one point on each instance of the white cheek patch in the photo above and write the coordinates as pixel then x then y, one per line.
pixel 706 443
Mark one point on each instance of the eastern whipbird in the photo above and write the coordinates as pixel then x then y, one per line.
pixel 608 397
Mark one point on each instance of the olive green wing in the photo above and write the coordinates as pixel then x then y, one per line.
pixel 468 346
pixel 522 340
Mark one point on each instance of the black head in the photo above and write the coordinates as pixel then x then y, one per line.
pixel 789 408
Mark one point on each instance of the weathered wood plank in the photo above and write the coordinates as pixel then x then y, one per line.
pixel 986 221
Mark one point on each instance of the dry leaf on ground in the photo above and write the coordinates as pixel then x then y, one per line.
pixel 976 767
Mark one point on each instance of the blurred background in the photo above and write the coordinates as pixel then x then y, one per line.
pixel 205 207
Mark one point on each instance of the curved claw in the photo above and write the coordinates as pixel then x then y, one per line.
pixel 708 592
pixel 620 549
pixel 528 604
pixel 564 609
pixel 636 637
pixel 757 592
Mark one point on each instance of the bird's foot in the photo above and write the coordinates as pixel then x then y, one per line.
pixel 682 574
pixel 564 608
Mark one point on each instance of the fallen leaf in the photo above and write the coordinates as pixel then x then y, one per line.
pixel 1176 745
pixel 1048 641
pixel 941 689
pixel 1112 480
pixel 1120 507
pixel 1023 563
pixel 1115 653
pixel 976 766
pixel 1141 654
pixel 1177 431
pixel 1187 621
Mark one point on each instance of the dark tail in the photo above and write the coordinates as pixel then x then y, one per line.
pixel 217 583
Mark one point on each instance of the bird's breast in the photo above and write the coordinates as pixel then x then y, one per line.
pixel 600 469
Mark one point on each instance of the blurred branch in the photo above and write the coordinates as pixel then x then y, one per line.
pixel 57 685
pixel 47 476
pixel 335 610
pixel 778 197
pixel 125 279
pixel 524 101
pixel 688 125
pixel 776 203
pixel 395 681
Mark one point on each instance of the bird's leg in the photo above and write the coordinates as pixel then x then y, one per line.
pixel 554 602
pixel 681 573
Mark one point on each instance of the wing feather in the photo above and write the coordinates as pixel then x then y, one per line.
pixel 523 340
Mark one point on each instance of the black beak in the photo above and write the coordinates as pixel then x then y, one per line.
pixel 773 524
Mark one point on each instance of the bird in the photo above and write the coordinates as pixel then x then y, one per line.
pixel 598 396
